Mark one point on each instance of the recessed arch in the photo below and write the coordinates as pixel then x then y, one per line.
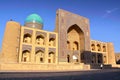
pixel 51 57
pixel 27 38
pixel 26 56
pixel 104 48
pixel 39 56
pixel 40 40
pixel 93 47
pixel 98 47
pixel 75 35
pixel 52 42
pixel 75 45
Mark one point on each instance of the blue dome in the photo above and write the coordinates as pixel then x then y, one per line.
pixel 34 18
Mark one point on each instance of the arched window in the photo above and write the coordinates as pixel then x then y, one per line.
pixel 26 56
pixel 51 57
pixel 104 48
pixel 75 46
pixel 98 47
pixel 93 47
pixel 51 42
pixel 40 40
pixel 68 45
pixel 27 38
pixel 39 57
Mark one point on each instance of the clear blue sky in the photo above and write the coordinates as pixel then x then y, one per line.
pixel 104 15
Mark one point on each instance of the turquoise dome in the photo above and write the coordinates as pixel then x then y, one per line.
pixel 34 18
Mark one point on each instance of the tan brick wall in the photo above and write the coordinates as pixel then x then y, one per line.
pixel 111 54
pixel 103 49
pixel 32 46
pixel 42 67
pixel 64 20
pixel 11 42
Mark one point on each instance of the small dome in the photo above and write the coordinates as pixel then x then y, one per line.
pixel 34 18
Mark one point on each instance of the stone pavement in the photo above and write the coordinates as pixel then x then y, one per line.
pixel 104 74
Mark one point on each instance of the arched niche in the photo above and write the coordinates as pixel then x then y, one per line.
pixel 98 47
pixel 52 42
pixel 93 47
pixel 76 37
pixel 104 48
pixel 51 57
pixel 39 56
pixel 27 38
pixel 26 56
pixel 40 40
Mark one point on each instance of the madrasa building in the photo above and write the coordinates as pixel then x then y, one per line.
pixel 68 47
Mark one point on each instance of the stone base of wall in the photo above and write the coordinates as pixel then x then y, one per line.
pixel 43 67
pixel 116 66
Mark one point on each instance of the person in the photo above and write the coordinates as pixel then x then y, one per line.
pixel 101 66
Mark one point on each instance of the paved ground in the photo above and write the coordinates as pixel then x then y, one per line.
pixel 105 74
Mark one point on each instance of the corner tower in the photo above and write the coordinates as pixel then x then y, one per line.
pixel 10 45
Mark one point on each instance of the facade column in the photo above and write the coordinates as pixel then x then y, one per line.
pixel 33 46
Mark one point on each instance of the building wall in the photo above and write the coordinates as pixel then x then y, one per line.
pixel 70 43
pixel 117 58
pixel 111 54
pixel 39 47
pixel 66 21
pixel 105 49
pixel 99 52
pixel 10 44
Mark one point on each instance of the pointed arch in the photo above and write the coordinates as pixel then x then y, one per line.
pixel 104 48
pixel 39 56
pixel 27 38
pixel 93 47
pixel 26 56
pixel 98 47
pixel 51 57
pixel 76 36
pixel 40 40
pixel 52 42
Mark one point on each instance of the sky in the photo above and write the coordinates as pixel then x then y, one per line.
pixel 104 15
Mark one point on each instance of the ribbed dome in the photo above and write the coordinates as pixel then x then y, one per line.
pixel 34 18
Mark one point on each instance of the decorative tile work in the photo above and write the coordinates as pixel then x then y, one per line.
pixel 28 31
pixel 26 47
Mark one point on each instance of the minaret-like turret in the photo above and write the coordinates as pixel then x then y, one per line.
pixel 10 44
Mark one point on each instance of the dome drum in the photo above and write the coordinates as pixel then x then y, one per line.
pixel 34 25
